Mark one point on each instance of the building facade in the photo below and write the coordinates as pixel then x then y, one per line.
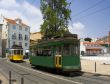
pixel 34 39
pixel 105 41
pixel 35 36
pixel 1 40
pixel 15 32
pixel 92 48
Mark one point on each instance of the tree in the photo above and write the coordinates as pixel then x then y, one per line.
pixel 88 39
pixel 56 14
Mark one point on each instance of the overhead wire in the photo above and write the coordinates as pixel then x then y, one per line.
pixel 92 6
pixel 85 10
pixel 92 13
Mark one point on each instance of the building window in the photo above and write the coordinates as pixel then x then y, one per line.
pixel 20 37
pixel 26 29
pixel 14 43
pixel 6 26
pixel 20 27
pixel 26 37
pixel 26 44
pixel 14 36
pixel 14 27
pixel 20 43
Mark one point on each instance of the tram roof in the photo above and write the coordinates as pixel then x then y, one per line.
pixel 15 49
pixel 57 42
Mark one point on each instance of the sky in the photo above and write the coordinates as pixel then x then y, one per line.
pixel 89 18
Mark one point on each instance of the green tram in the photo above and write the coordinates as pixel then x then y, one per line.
pixel 58 54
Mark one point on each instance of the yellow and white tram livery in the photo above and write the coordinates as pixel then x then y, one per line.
pixel 16 54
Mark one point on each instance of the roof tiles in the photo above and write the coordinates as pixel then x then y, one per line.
pixel 14 22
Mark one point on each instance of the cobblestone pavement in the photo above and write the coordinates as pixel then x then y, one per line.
pixel 97 67
pixel 87 66
pixel 3 80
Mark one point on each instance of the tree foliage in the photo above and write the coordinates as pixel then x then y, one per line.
pixel 56 14
pixel 88 39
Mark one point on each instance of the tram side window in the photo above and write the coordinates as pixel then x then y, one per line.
pixel 10 52
pixel 46 52
pixel 66 50
pixel 43 52
pixel 74 49
pixel 38 53
pixel 14 52
pixel 58 50
pixel 21 52
pixel 70 50
pixel 33 53
pixel 18 52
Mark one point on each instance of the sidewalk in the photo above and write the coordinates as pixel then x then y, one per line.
pixel 3 80
pixel 89 66
pixel 26 60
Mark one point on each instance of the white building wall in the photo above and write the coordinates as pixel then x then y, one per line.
pixel 17 31
pixel 0 40
pixel 82 48
pixel 9 31
pixel 104 50
pixel 26 41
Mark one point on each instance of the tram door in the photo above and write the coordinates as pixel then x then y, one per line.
pixel 58 58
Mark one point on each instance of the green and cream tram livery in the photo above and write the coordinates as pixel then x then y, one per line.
pixel 16 54
pixel 59 54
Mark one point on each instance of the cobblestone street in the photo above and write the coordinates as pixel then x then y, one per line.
pixel 3 80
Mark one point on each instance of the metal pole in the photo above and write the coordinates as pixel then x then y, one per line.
pixel 108 42
pixel 22 80
pixel 95 66
pixel 9 77
pixel 0 82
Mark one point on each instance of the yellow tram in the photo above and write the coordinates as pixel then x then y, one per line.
pixel 16 54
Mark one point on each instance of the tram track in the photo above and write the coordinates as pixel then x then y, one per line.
pixel 83 79
pixel 97 77
pixel 3 72
pixel 93 78
pixel 27 75
pixel 90 80
pixel 30 75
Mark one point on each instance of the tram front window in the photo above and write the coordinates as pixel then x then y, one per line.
pixel 18 52
pixel 15 52
pixel 21 52
pixel 70 50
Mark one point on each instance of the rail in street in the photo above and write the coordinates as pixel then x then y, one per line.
pixel 34 76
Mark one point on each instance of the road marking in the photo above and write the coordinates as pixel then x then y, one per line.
pixel 47 74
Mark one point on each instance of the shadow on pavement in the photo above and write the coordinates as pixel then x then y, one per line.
pixel 0 81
